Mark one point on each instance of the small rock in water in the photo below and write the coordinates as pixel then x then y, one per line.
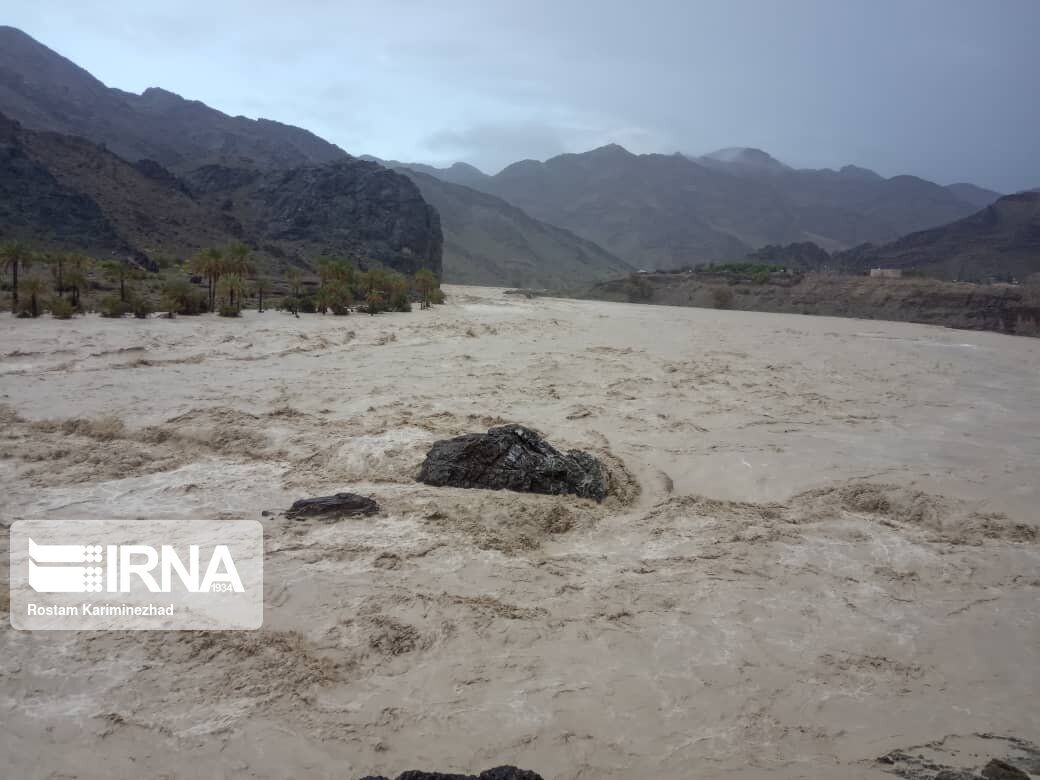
pixel 333 507
pixel 498 773
pixel 512 457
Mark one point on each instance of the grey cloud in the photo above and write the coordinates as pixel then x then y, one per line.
pixel 935 88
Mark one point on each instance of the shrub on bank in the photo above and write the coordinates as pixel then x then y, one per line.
pixel 141 307
pixel 722 298
pixel 113 306
pixel 61 309
pixel 181 297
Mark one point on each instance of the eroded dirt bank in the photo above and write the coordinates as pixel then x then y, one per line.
pixel 998 307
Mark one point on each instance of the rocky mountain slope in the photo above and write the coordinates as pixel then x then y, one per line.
pixel 352 208
pixel 66 191
pixel 43 90
pixel 489 241
pixel 1001 239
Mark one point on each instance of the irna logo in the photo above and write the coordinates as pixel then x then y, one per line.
pixel 121 568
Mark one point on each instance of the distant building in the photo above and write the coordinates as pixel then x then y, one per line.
pixel 887 273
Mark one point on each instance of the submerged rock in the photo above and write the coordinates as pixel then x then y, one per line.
pixel 498 773
pixel 1002 770
pixel 333 507
pixel 512 457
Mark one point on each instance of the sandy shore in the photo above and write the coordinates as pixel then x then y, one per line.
pixel 824 547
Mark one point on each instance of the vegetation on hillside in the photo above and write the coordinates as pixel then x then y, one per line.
pixel 224 280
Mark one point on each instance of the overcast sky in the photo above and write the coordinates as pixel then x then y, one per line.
pixel 945 89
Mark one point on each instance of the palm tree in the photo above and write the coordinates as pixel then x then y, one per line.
pixel 33 288
pixel 427 283
pixel 56 260
pixel 237 260
pixel 262 285
pixel 230 289
pixel 121 271
pixel 374 301
pixel 15 256
pixel 79 266
pixel 325 298
pixel 209 263
pixel 295 280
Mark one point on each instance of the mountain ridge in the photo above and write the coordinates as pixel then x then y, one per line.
pixel 1000 240
pixel 490 241
pixel 667 211
pixel 43 90
pixel 66 191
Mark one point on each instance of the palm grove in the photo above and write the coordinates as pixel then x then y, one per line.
pixel 217 279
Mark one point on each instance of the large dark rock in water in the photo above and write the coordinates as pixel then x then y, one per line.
pixel 498 773
pixel 512 457
pixel 333 507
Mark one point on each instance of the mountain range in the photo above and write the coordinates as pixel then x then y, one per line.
pixel 660 211
pixel 45 91
pixel 489 241
pixel 67 191
pixel 1002 240
pixel 143 176
pixel 97 167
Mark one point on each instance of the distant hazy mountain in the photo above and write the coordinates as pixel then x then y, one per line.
pixel 853 205
pixel 743 159
pixel 979 197
pixel 667 211
pixel 653 211
pixel 459 173
pixel 41 89
pixel 488 241
pixel 1001 239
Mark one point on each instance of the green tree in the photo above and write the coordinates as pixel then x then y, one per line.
pixel 294 278
pixel 426 283
pixel 121 272
pixel 15 256
pixel 229 291
pixel 180 297
pixel 395 290
pixel 337 280
pixel 76 277
pixel 374 301
pixel 33 288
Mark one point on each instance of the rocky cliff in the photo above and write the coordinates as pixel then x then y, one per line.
pixel 65 191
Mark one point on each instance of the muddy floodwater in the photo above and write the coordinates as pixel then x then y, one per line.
pixel 821 546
